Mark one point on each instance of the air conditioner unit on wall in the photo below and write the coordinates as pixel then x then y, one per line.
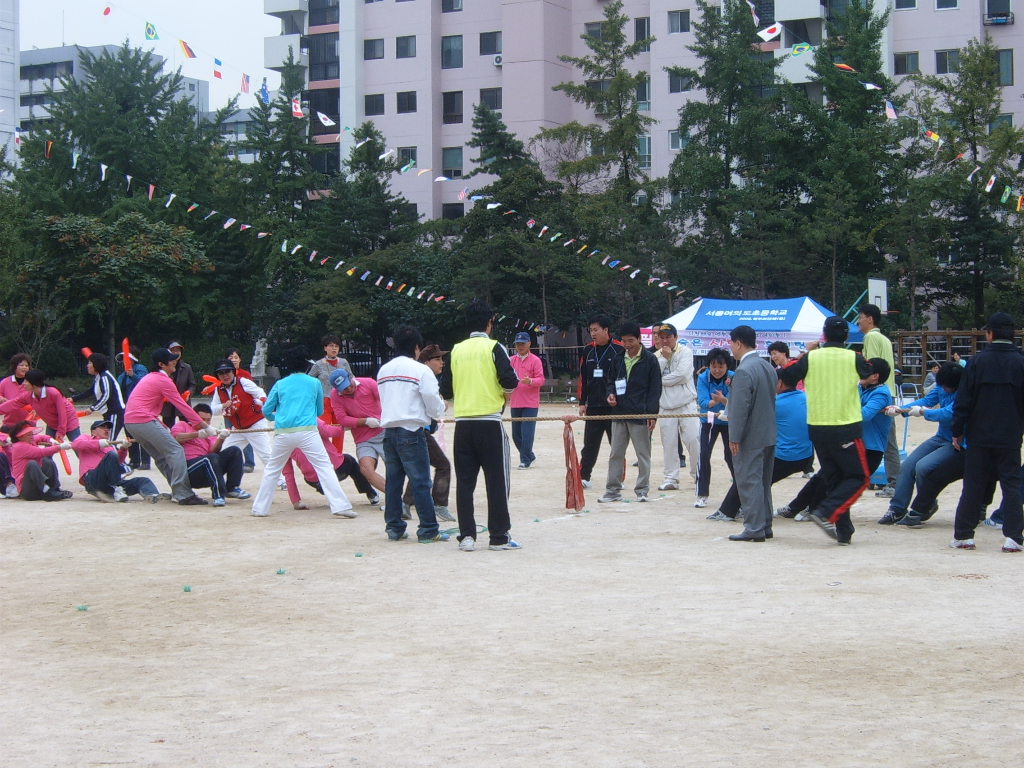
pixel 498 60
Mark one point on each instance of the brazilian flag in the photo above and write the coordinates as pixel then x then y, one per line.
pixel 151 32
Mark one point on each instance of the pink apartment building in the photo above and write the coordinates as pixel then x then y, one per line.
pixel 416 68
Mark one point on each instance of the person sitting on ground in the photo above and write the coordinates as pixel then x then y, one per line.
pixel 101 468
pixel 355 403
pixel 211 464
pixel 33 469
pixel 935 406
pixel 8 488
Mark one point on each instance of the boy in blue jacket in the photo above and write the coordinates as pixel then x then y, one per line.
pixel 712 401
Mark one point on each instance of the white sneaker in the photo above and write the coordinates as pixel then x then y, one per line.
pixel 219 502
pixel 347 513
pixel 641 496
pixel 104 497
pixel 282 485
pixel 587 484
pixel 119 494
pixel 962 544
pixel 443 513
pixel 668 485
pixel 254 513
pixel 11 492
pixel 701 502
pixel 1012 546
pixel 468 544
pixel 610 498
pixel 510 544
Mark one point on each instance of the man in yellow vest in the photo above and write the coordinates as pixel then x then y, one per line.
pixel 831 375
pixel 482 380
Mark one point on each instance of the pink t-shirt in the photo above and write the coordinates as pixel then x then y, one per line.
pixel 197 446
pixel 90 454
pixel 527 395
pixel 364 402
pixel 148 398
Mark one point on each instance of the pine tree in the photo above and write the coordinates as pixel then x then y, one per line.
pixel 500 151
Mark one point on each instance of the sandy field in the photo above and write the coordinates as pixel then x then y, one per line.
pixel 627 635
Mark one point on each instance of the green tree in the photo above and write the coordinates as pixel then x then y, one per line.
pixel 500 151
pixel 984 232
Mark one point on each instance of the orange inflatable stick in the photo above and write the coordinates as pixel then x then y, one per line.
pixel 186 394
pixel 66 461
pixel 86 353
pixel 211 380
pixel 80 414
pixel 210 390
pixel 126 353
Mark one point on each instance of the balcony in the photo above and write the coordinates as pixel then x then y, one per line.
pixel 282 8
pixel 787 10
pixel 998 19
pixel 275 51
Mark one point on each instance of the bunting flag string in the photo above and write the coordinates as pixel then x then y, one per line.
pixel 404 287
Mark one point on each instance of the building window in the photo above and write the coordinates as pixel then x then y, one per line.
pixel 593 29
pixel 490 43
pixel 451 107
pixel 905 5
pixel 373 49
pixel 1006 120
pixel 643 150
pixel 946 5
pixel 905 64
pixel 451 52
pixel 323 100
pixel 491 98
pixel 51 71
pixel 947 62
pixel 998 9
pixel 642 30
pixel 453 210
pixel 405 47
pixel 643 95
pixel 323 56
pixel 677 140
pixel 599 85
pixel 1005 66
pixel 373 104
pixel 451 162
pixel 679 83
pixel 405 102
pixel 450 6
pixel 406 155
pixel 323 12
pixel 678 21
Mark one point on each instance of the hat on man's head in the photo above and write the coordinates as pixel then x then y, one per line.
pixel 521 337
pixel 836 323
pixel 666 328
pixel 340 379
pixel 999 320
pixel 223 365
pixel 175 344
pixel 101 423
pixel 164 355
pixel 430 352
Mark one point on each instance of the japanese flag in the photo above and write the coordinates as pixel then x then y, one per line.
pixel 770 33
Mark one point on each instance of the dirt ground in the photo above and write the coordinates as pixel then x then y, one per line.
pixel 627 635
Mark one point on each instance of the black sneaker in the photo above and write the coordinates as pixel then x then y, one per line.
pixel 57 495
pixel 193 501
pixel 822 522
pixel 931 511
pixel 891 517
pixel 911 520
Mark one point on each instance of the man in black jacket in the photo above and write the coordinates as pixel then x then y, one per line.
pixel 633 387
pixel 989 413
pixel 598 363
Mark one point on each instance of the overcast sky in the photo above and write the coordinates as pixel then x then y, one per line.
pixel 230 30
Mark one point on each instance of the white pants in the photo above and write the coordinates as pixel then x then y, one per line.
pixel 260 441
pixel 671 432
pixel 309 442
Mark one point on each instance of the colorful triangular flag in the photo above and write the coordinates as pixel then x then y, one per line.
pixel 325 121
pixel 187 50
pixel 217 65
pixel 151 31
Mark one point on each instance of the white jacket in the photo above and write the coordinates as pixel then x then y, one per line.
pixel 677 387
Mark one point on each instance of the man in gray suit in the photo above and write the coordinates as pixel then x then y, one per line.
pixel 752 434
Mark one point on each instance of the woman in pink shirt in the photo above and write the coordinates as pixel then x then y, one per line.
pixel 34 471
pixel 11 387
pixel 526 398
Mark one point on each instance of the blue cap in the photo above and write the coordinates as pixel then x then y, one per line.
pixel 340 379
pixel 521 337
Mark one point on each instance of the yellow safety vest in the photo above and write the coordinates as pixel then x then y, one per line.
pixel 833 398
pixel 474 378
